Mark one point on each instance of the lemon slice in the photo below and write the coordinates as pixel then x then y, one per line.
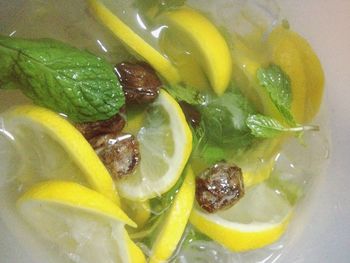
pixel 287 56
pixel 51 148
pixel 315 77
pixel 134 41
pixel 296 57
pixel 205 42
pixel 248 66
pixel 139 212
pixel 64 195
pixel 84 225
pixel 175 221
pixel 165 145
pixel 259 219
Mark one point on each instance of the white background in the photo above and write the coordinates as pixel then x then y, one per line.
pixel 326 238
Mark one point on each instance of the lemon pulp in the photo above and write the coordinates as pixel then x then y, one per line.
pixel 83 224
pixel 206 50
pixel 257 220
pixel 43 141
pixel 165 145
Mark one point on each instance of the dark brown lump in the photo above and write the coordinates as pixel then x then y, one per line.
pixel 140 82
pixel 112 125
pixel 219 187
pixel 192 115
pixel 119 153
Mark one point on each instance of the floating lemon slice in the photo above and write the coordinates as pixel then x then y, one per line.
pixel 175 221
pixel 296 57
pixel 81 222
pixel 315 77
pixel 205 42
pixel 287 56
pixel 248 66
pixel 51 148
pixel 139 212
pixel 134 41
pixel 165 144
pixel 257 220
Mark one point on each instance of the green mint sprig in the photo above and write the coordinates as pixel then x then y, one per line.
pixel 60 77
pixel 278 85
pixel 266 127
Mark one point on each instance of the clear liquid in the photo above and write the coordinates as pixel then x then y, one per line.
pixel 52 19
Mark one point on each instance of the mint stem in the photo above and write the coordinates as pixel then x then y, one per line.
pixel 304 128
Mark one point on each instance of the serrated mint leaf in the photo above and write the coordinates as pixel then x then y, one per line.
pixel 213 154
pixel 159 207
pixel 60 77
pixel 263 126
pixel 186 94
pixel 266 127
pixel 278 86
pixel 224 120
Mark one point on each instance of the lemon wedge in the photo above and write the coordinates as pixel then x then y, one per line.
pixel 165 145
pixel 82 223
pixel 296 57
pixel 315 77
pixel 69 195
pixel 287 56
pixel 44 140
pixel 247 65
pixel 257 220
pixel 175 221
pixel 205 42
pixel 134 41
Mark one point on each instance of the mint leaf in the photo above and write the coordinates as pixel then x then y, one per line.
pixel 213 154
pixel 159 206
pixel 277 84
pixel 62 78
pixel 162 204
pixel 266 127
pixel 185 93
pixel 224 120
